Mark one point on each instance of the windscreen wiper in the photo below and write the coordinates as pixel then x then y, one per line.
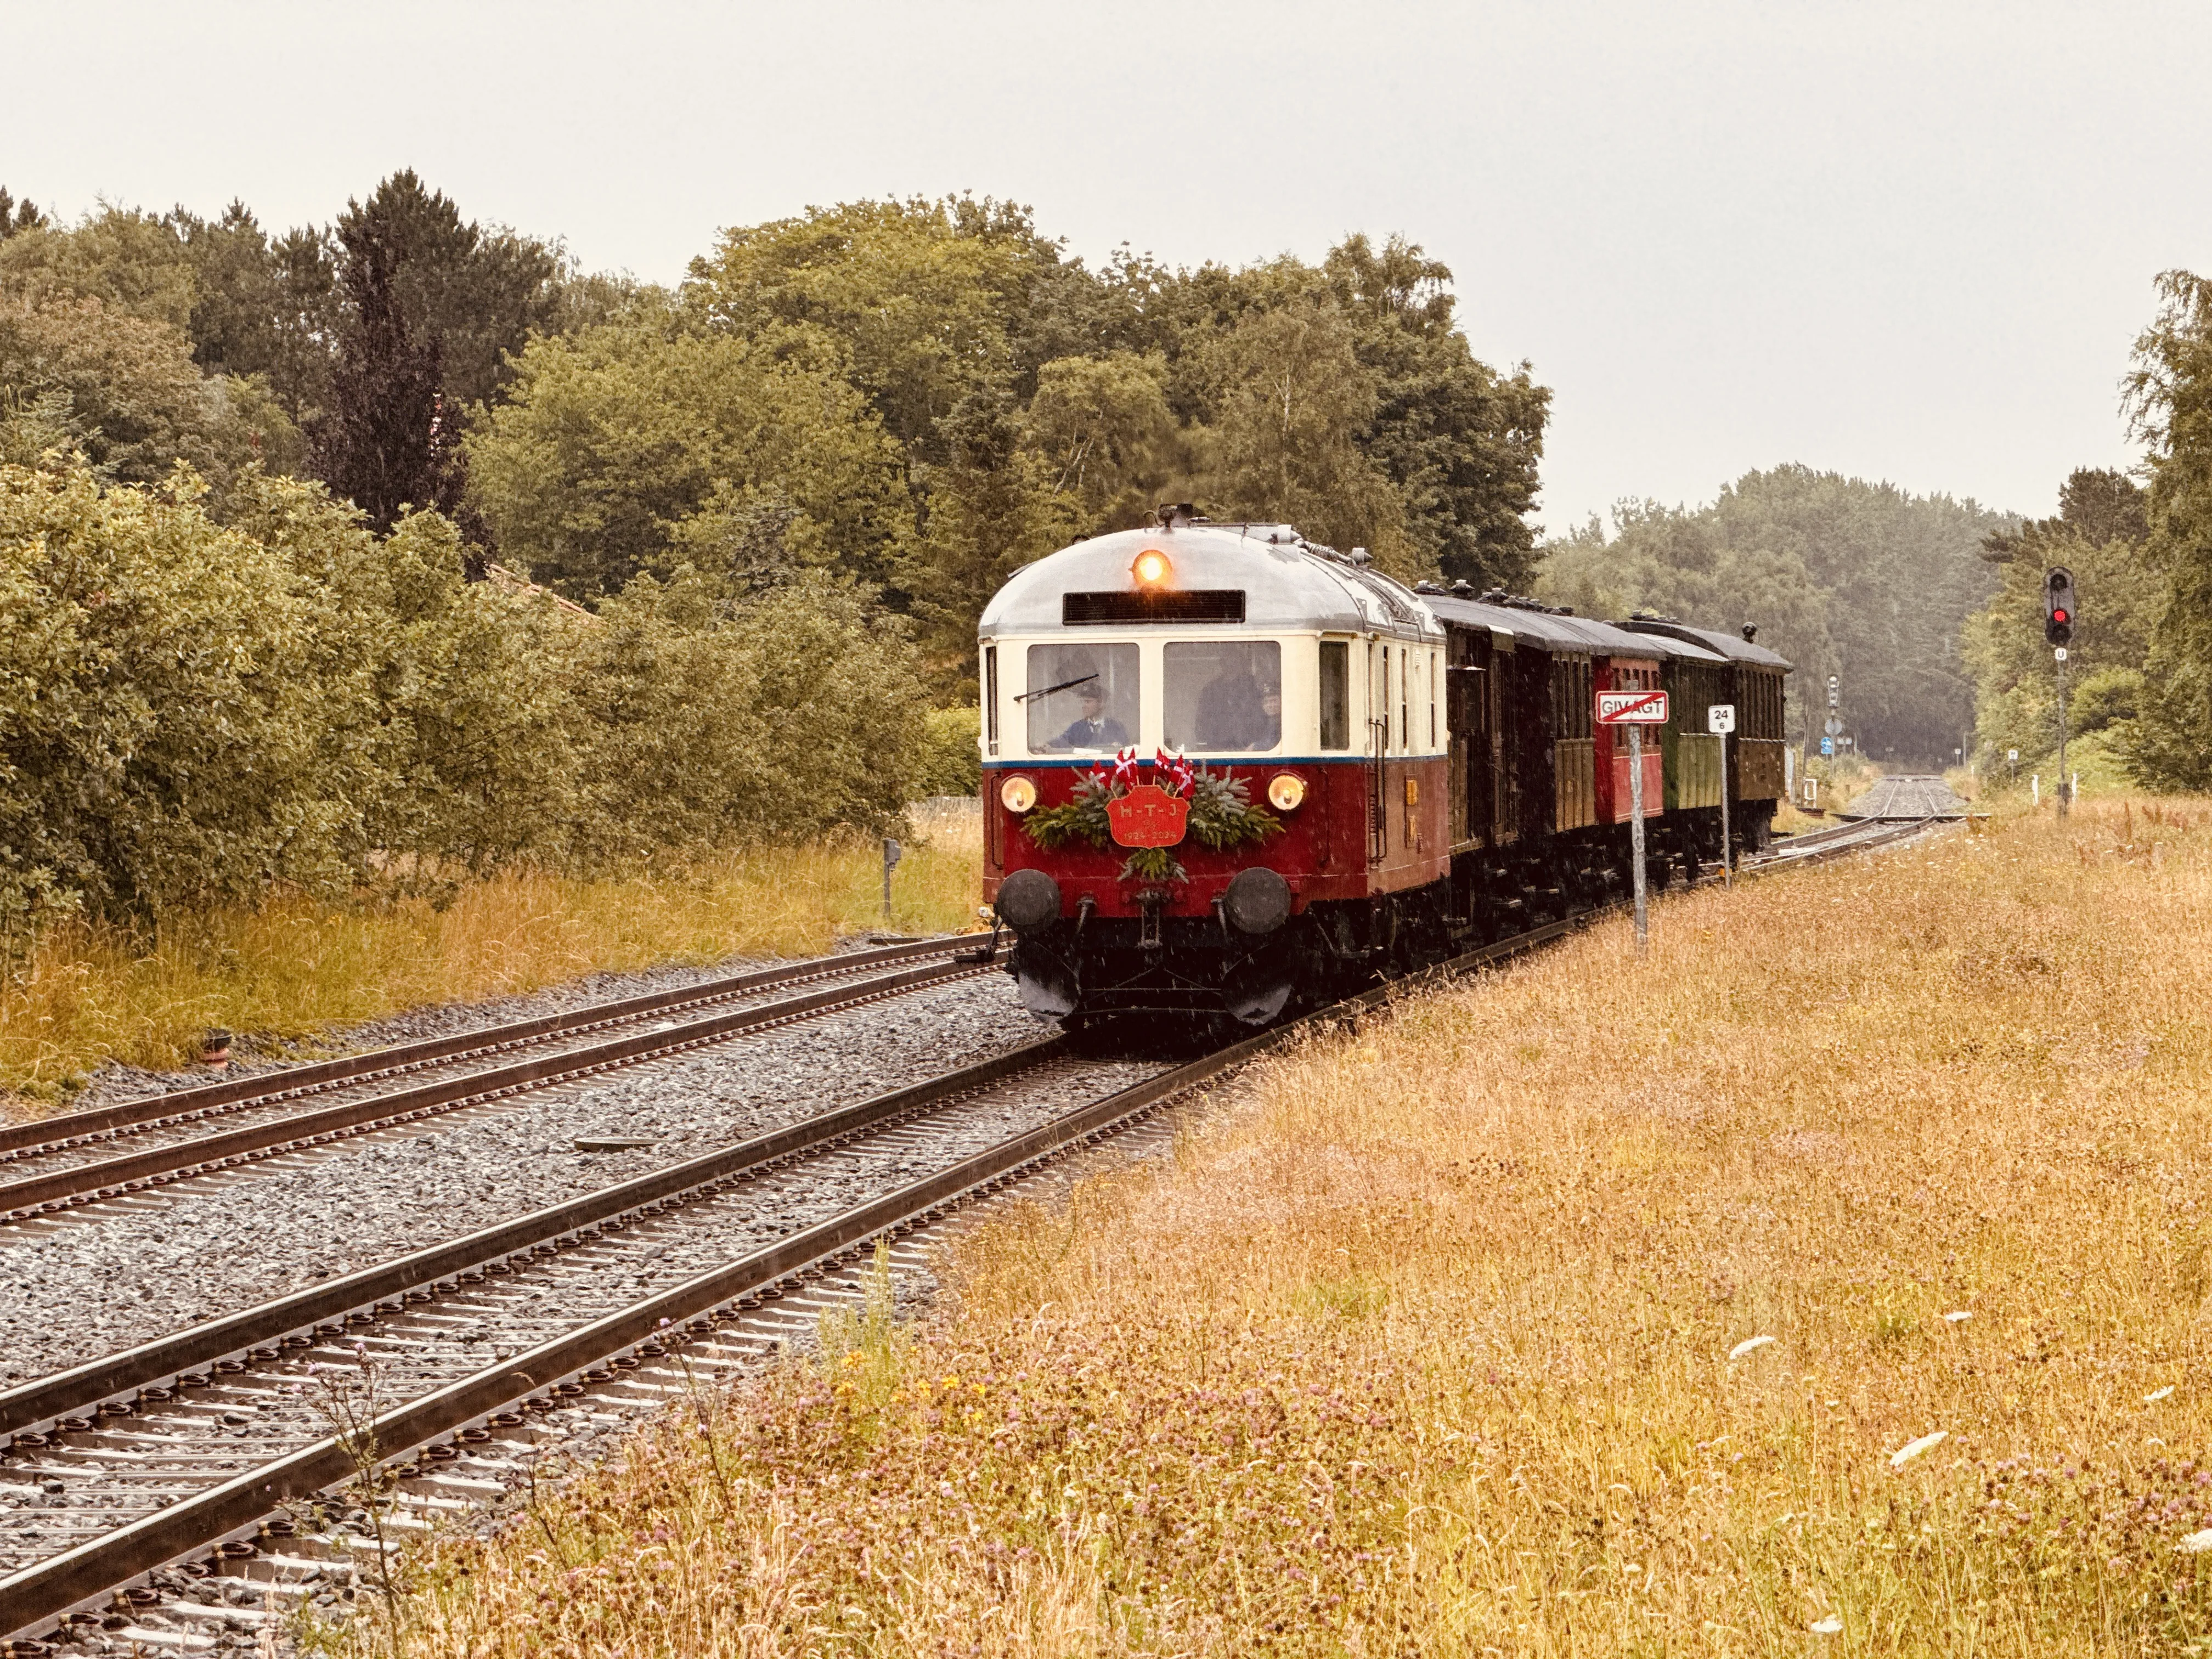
pixel 1049 690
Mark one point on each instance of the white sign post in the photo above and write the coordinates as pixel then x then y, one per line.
pixel 1635 710
pixel 1720 721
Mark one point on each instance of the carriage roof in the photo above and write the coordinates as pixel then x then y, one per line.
pixel 1289 584
pixel 1558 632
pixel 1733 646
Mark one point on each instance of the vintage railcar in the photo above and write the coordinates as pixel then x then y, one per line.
pixel 1228 770
pixel 1295 677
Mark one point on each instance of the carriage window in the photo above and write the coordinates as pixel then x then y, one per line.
pixel 991 697
pixel 1336 694
pixel 1082 699
pixel 1405 678
pixel 1224 696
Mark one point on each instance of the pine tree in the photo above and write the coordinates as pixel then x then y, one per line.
pixel 390 441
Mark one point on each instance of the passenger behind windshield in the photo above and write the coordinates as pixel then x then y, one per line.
pixel 1225 697
pixel 1096 684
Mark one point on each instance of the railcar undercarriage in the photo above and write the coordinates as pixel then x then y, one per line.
pixel 1155 981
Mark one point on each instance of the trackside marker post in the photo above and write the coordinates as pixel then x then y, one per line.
pixel 1635 710
pixel 1720 721
pixel 892 852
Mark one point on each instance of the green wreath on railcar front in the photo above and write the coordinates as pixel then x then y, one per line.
pixel 1221 816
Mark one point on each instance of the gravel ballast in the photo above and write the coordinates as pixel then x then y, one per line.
pixel 114 1083
pixel 115 1276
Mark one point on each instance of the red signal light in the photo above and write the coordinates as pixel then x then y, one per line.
pixel 2062 616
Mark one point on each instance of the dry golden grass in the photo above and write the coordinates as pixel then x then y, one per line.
pixel 294 970
pixel 1589 1309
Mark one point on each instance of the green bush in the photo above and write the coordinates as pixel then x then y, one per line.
pixel 950 763
pixel 192 711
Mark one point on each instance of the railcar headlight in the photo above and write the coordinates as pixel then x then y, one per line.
pixel 1017 795
pixel 1285 790
pixel 1152 568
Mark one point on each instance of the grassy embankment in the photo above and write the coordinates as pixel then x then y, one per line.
pixel 293 970
pixel 1589 1309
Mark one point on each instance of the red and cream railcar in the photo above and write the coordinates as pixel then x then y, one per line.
pixel 1300 676
pixel 1226 769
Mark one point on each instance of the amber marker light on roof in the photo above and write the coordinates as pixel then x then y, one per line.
pixel 1152 568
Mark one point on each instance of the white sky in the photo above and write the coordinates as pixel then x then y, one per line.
pixel 1911 242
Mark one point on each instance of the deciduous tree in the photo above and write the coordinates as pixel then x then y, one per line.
pixel 639 446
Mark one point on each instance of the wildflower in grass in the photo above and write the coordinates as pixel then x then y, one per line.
pixel 1956 1316
pixel 1831 1626
pixel 1905 1454
pixel 2197 1543
pixel 1749 1345
pixel 2157 1394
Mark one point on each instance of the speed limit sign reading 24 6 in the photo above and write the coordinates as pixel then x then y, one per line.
pixel 1631 708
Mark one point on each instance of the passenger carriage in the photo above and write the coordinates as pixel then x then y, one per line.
pixel 1751 679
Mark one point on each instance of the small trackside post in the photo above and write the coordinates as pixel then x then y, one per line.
pixel 1720 721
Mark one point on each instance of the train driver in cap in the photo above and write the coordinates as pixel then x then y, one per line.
pixel 1092 727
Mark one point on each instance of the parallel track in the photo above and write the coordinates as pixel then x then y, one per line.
pixel 161 1422
pixel 64 1163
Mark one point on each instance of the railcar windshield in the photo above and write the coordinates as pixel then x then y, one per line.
pixel 1082 699
pixel 1224 696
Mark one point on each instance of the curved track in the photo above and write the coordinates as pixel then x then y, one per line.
pixel 206 1456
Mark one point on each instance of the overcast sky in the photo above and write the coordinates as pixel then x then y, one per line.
pixel 1909 242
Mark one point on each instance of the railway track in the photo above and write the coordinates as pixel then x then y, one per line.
pixel 1852 836
pixel 1907 797
pixel 179 1496
pixel 207 1133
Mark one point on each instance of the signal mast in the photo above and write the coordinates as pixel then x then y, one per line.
pixel 2059 613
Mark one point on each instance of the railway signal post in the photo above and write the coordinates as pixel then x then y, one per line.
pixel 2059 611
pixel 1635 710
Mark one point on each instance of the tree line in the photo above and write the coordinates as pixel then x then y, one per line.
pixel 2139 691
pixel 1932 610
pixel 388 550
pixel 1841 575
pixel 915 397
